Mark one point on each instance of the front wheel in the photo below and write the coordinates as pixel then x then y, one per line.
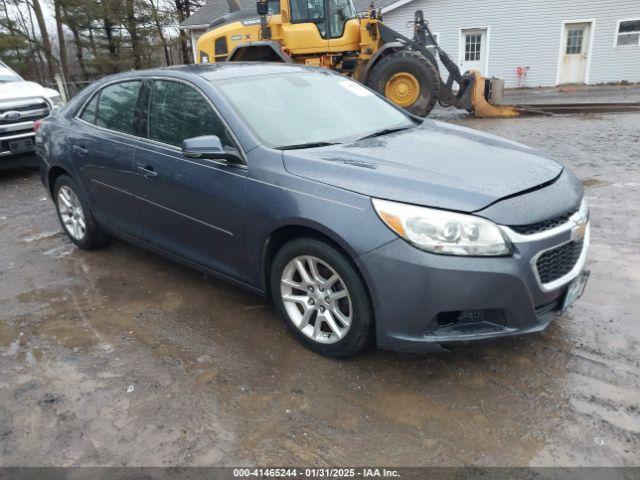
pixel 321 298
pixel 408 79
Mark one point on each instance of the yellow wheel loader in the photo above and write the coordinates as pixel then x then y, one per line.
pixel 331 34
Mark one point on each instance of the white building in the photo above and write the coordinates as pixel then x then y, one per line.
pixel 534 42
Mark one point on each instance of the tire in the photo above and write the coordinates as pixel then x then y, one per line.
pixel 355 336
pixel 416 66
pixel 72 206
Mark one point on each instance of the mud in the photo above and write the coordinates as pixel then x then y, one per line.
pixel 118 357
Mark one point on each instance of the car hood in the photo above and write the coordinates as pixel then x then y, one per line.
pixel 22 89
pixel 436 164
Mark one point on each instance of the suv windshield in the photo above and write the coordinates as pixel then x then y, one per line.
pixel 8 75
pixel 313 107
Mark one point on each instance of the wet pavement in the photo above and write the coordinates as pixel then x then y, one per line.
pixel 118 357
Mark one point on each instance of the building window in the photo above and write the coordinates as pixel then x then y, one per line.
pixel 628 33
pixel 472 44
pixel 574 41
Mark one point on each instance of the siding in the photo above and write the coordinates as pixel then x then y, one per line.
pixel 528 33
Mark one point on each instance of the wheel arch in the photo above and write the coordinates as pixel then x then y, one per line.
pixel 259 51
pixel 386 49
pixel 291 231
pixel 54 173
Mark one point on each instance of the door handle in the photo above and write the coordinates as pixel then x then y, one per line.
pixel 81 150
pixel 148 171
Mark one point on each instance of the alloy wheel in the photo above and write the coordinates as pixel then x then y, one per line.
pixel 316 299
pixel 71 213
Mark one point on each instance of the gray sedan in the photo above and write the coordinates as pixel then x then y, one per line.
pixel 362 223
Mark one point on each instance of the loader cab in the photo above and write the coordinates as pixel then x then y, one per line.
pixel 329 16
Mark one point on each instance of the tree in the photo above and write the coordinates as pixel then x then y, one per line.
pixel 44 38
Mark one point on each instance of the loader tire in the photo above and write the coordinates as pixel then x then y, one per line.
pixel 408 79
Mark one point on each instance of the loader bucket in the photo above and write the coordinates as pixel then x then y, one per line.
pixel 481 97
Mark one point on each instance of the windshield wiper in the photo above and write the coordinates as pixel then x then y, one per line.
pixel 386 131
pixel 300 146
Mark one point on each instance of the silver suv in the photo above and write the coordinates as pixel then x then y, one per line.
pixel 21 104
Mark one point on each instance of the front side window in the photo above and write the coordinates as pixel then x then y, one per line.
pixel 273 7
pixel 341 11
pixel 303 107
pixel 309 11
pixel 178 112
pixel 628 33
pixel 117 106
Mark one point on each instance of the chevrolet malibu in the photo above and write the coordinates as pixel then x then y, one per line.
pixel 361 222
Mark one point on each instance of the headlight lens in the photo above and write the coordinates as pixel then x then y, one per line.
pixel 55 100
pixel 439 231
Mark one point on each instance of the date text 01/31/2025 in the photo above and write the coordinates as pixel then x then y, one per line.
pixel 315 473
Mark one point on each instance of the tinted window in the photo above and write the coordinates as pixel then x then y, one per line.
pixel 117 105
pixel 89 113
pixel 178 112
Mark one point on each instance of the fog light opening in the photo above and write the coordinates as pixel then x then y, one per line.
pixel 448 318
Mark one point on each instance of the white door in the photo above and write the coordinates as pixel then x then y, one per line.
pixel 473 51
pixel 575 51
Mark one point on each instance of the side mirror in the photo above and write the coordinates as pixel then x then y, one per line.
pixel 208 146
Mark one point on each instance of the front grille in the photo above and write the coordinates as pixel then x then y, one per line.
pixel 557 262
pixel 542 226
pixel 16 120
pixel 28 109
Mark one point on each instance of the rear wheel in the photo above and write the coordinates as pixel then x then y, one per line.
pixel 408 79
pixel 75 215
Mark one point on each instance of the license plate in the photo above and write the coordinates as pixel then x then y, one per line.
pixel 575 290
pixel 21 146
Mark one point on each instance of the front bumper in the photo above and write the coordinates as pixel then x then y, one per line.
pixel 422 301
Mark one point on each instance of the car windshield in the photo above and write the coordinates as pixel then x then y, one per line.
pixel 8 75
pixel 312 108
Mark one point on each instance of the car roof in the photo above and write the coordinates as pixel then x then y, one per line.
pixel 220 71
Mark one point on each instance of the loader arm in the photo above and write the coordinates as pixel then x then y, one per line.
pixel 447 96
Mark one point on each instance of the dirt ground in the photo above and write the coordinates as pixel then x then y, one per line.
pixel 118 357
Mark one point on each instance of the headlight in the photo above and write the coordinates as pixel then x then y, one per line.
pixel 439 231
pixel 55 100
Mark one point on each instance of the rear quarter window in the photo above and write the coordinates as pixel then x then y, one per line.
pixel 90 109
pixel 116 106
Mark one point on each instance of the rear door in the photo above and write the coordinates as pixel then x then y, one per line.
pixel 103 149
pixel 194 208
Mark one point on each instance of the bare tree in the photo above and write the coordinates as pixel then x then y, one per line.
pixel 44 38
